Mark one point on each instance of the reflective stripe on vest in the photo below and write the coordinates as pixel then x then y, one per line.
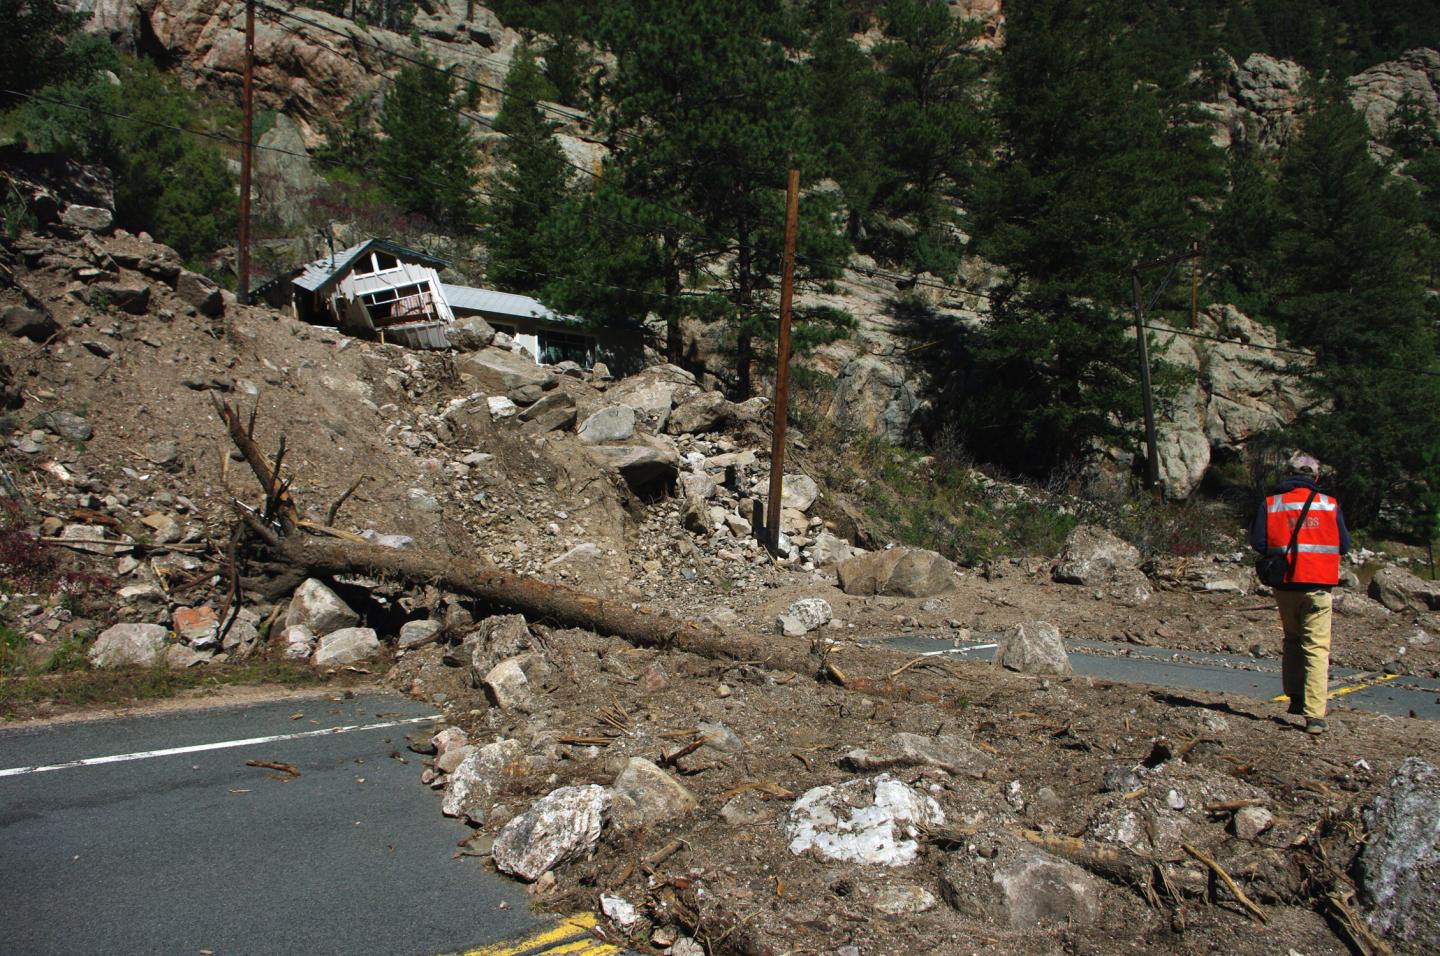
pixel 1317 554
pixel 1321 504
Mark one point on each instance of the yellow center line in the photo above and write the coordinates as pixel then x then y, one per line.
pixel 1363 682
pixel 564 932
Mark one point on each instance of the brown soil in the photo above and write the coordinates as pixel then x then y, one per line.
pixel 349 408
pixel 1054 736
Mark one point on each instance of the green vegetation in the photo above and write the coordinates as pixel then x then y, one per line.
pixel 173 185
pixel 30 691
pixel 426 157
pixel 518 217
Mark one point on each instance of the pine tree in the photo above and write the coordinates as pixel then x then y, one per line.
pixel 518 217
pixel 32 44
pixel 427 157
pixel 931 134
pixel 705 122
pixel 1099 172
pixel 1351 289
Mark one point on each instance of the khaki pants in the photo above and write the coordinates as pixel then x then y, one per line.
pixel 1305 669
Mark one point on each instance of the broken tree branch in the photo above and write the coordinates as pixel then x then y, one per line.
pixel 339 502
pixel 1250 906
pixel 244 440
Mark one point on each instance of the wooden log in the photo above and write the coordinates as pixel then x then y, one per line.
pixel 539 601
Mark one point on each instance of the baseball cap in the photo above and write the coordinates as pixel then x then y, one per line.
pixel 1303 464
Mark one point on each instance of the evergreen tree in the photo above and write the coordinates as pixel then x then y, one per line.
pixel 518 217
pixel 1098 173
pixel 706 121
pixel 931 132
pixel 350 140
pixel 32 44
pixel 844 110
pixel 1350 289
pixel 426 158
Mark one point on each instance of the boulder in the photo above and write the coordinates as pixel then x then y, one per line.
pixel 697 485
pixel 501 407
pixel 873 397
pixel 554 411
pixel 613 423
pixel 644 795
pixel 639 465
pixel 798 492
pixel 418 633
pixel 903 572
pixel 1399 864
pixel 955 755
pixel 349 645
pixel 178 657
pixel 129 645
pixel 470 334
pixel 828 549
pixel 1399 590
pixel 23 323
pixel 869 820
pixel 320 609
pixel 201 292
pixel 1093 556
pixel 705 412
pixel 495 639
pixel 67 425
pixel 473 787
pixel 696 518
pixel 131 297
pixel 1021 888
pixel 902 899
pixel 197 626
pixel 1033 649
pixel 561 826
pixel 508 686
pixel 526 395
pixel 500 371
pixel 804 616
pixel 89 218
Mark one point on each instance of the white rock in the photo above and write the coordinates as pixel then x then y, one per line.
pixel 473 786
pixel 501 407
pixel 416 633
pixel 349 645
pixel 320 609
pixel 614 423
pixel 870 820
pixel 804 616
pixel 561 826
pixel 125 645
pixel 620 912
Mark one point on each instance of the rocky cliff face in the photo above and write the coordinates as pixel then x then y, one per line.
pixel 308 72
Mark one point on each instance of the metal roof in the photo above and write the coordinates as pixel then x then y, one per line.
pixel 502 303
pixel 320 273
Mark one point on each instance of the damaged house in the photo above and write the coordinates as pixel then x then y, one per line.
pixel 382 290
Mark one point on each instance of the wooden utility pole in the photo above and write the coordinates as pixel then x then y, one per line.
pixel 1194 287
pixel 247 136
pixel 781 410
pixel 1152 456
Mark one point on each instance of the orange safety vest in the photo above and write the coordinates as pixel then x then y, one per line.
pixel 1318 560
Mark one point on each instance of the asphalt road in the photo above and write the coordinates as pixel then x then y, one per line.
pixel 1401 696
pixel 195 852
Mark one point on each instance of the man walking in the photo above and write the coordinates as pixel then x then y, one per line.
pixel 1308 528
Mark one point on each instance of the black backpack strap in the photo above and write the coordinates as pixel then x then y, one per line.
pixel 1292 550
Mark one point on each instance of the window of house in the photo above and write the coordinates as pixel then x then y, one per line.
pixel 381 303
pixel 374 262
pixel 557 347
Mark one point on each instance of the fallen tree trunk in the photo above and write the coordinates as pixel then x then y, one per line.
pixel 539 601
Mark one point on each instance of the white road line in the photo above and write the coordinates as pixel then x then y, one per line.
pixel 222 745
pixel 961 650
